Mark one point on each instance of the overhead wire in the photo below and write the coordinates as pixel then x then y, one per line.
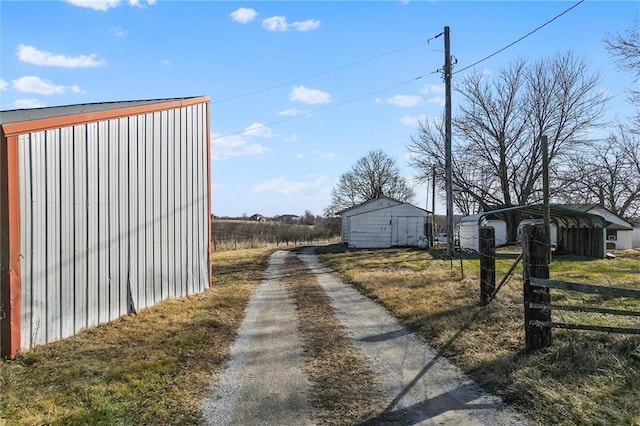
pixel 329 71
pixel 305 114
pixel 520 39
pixel 347 101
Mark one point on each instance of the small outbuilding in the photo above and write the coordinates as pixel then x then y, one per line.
pixel 104 210
pixel 383 222
pixel 469 231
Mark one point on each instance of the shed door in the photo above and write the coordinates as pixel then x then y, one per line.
pixel 408 231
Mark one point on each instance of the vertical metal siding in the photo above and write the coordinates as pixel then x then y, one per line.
pixel 113 218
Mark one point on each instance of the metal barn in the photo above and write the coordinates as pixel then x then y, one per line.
pixel 104 210
pixel 381 223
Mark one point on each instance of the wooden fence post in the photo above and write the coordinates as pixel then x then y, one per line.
pixel 535 263
pixel 487 249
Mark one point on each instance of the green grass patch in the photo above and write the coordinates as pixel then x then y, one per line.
pixel 584 378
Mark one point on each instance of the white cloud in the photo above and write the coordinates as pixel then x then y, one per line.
pixel 283 186
pixel 101 5
pixel 104 5
pixel 309 96
pixel 33 84
pixel 119 32
pixel 328 155
pixel 243 15
pixel 279 23
pixel 34 56
pixel 308 25
pixel 141 3
pixel 76 89
pixel 405 101
pixel 410 121
pixel 28 103
pixel 233 146
pixel 259 130
pixel 3 85
pixel 275 23
pixel 432 88
pixel 165 62
pixel 291 112
pixel 440 100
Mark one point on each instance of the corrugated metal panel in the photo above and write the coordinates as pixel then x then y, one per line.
pixel 113 218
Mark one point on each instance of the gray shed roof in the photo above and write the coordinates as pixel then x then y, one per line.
pixel 16 115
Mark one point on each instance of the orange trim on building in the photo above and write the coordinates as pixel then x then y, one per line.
pixel 10 285
pixel 209 210
pixel 87 117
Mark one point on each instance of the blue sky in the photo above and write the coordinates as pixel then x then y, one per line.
pixel 299 90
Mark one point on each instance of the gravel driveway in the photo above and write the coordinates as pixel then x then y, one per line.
pixel 263 383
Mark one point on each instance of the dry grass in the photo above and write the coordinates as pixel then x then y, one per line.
pixel 149 368
pixel 584 378
pixel 344 389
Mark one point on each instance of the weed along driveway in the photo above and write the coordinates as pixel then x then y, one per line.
pixel 280 373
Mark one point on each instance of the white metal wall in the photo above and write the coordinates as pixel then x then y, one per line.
pixel 113 219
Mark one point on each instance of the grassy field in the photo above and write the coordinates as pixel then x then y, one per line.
pixel 584 378
pixel 149 368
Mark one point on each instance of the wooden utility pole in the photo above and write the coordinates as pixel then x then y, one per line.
pixel 433 204
pixel 447 140
pixel 546 208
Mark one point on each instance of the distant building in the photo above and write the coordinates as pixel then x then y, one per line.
pixel 287 218
pixel 258 218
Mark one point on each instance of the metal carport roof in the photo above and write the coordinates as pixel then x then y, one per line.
pixel 561 214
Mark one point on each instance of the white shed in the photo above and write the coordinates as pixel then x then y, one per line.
pixel 469 230
pixel 381 223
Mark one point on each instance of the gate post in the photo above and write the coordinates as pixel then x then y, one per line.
pixel 487 249
pixel 535 264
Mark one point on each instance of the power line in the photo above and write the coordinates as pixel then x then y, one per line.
pixel 298 80
pixel 347 101
pixel 520 39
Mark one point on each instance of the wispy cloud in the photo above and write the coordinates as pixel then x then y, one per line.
pixel 309 96
pixel 284 186
pixel 243 15
pixel 119 32
pixel 429 89
pixel 104 5
pixel 410 121
pixel 403 101
pixel 165 62
pixel 3 85
pixel 234 146
pixel 33 84
pixel 280 24
pixel 291 112
pixel 28 103
pixel 35 56
pixel 259 130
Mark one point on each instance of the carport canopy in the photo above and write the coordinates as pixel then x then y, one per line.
pixel 562 215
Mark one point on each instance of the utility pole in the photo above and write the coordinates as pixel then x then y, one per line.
pixel 546 208
pixel 447 141
pixel 433 204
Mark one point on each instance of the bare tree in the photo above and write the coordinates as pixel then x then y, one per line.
pixel 496 152
pixel 373 175
pixel 625 48
pixel 608 175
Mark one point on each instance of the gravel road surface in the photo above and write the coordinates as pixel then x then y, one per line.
pixel 263 383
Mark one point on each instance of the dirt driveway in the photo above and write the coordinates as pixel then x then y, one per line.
pixel 264 384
